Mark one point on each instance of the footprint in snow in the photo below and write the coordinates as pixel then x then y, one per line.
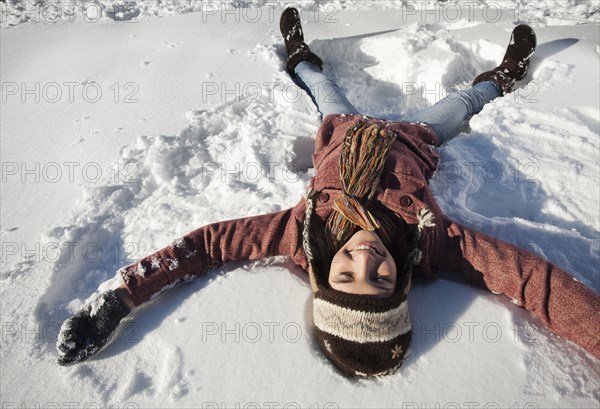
pixel 5 231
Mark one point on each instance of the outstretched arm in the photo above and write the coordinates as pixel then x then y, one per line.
pixel 563 304
pixel 251 238
pixel 210 246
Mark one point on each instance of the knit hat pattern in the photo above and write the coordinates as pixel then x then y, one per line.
pixel 363 336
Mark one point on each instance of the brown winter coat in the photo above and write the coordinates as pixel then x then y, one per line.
pixel 564 305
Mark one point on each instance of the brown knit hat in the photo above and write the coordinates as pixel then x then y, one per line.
pixel 362 335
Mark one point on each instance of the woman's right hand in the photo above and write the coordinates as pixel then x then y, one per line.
pixel 88 331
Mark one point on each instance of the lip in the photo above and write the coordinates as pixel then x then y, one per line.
pixel 372 248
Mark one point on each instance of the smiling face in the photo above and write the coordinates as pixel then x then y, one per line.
pixel 363 266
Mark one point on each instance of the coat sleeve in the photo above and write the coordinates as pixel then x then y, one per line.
pixel 210 246
pixel 565 306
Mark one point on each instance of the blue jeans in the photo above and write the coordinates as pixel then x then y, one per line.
pixel 447 117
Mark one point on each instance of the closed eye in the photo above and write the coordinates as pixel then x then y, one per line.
pixel 344 277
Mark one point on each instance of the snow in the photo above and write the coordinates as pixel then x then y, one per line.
pixel 96 304
pixel 197 121
pixel 140 270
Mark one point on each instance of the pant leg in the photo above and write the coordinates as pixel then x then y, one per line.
pixel 324 92
pixel 449 116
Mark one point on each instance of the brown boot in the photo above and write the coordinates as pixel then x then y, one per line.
pixel 297 50
pixel 515 62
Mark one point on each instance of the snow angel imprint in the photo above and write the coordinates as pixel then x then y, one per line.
pixel 368 224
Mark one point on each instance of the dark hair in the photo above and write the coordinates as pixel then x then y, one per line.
pixel 394 233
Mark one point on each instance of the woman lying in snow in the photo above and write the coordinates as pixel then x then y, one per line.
pixel 368 224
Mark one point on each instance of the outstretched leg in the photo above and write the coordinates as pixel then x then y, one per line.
pixel 306 68
pixel 449 116
pixel 325 93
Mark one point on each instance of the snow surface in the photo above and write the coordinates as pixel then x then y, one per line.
pixel 92 182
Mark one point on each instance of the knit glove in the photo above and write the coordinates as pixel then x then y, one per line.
pixel 88 331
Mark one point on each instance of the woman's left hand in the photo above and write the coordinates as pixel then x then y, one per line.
pixel 88 331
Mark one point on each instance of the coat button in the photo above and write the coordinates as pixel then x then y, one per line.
pixel 323 197
pixel 405 201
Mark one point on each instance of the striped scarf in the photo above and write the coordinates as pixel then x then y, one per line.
pixel 364 151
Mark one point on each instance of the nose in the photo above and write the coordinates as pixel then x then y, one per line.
pixel 365 265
